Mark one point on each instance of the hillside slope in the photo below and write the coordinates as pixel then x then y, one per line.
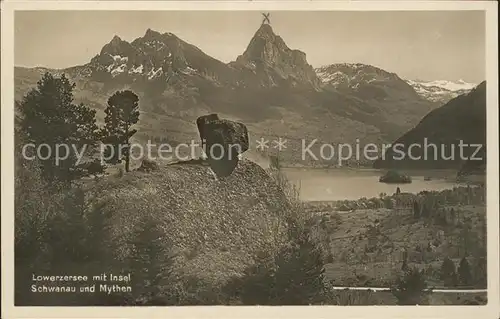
pixel 463 119
pixel 176 230
pixel 216 228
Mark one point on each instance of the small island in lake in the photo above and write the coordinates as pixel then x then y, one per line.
pixel 394 177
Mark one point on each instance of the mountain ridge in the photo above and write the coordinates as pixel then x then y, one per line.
pixel 461 120
pixel 268 86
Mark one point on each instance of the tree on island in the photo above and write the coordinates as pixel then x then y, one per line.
pixel 122 113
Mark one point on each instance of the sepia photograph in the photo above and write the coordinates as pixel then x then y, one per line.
pixel 258 156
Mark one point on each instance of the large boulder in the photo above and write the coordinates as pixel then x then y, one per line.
pixel 202 122
pixel 223 142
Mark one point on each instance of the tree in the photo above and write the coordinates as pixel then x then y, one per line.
pixel 294 276
pixel 480 272
pixel 466 238
pixel 150 262
pixel 464 272
pixel 416 210
pixel 425 211
pixel 300 275
pixel 404 267
pixel 448 273
pixel 275 161
pixel 49 117
pixel 121 114
pixel 410 288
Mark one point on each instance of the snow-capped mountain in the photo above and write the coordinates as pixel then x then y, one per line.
pixel 351 74
pixel 151 57
pixel 382 89
pixel 362 78
pixel 448 85
pixel 441 91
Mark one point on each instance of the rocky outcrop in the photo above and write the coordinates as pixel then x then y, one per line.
pixel 223 142
pixel 215 228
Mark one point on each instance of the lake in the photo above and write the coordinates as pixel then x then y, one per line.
pixel 340 184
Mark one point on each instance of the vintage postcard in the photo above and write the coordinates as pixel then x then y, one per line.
pixel 291 159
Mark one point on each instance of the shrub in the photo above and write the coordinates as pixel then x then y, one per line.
pixel 150 261
pixel 50 222
pixel 464 272
pixel 480 272
pixel 448 273
pixel 410 289
pixel 294 276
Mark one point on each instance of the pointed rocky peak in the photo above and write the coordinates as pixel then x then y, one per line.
pixel 268 56
pixel 115 46
pixel 265 45
pixel 265 31
pixel 116 40
pixel 151 34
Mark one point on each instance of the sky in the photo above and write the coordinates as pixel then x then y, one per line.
pixel 418 45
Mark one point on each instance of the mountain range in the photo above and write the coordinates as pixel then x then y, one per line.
pixel 270 87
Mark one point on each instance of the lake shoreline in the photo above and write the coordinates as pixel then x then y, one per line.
pixel 338 184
